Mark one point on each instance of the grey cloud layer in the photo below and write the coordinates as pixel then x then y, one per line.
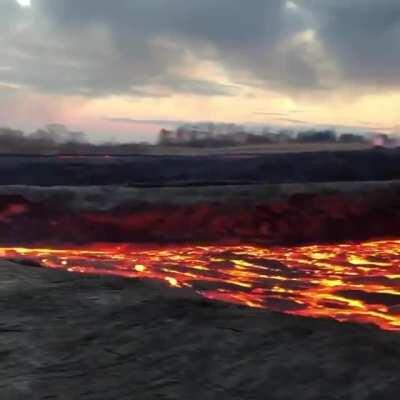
pixel 127 47
pixel 363 37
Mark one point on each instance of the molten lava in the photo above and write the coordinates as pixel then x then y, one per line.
pixel 347 282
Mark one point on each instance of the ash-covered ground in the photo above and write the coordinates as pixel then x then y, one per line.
pixel 68 336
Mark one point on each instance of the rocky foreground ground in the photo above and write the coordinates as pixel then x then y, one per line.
pixel 67 336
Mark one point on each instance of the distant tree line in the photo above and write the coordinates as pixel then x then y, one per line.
pixel 197 138
pixel 328 136
pixel 56 139
pixel 46 143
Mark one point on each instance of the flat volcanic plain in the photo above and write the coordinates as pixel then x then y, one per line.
pixel 70 330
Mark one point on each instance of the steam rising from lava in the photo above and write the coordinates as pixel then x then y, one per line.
pixel 348 282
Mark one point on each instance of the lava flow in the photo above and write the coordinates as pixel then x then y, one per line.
pixel 347 282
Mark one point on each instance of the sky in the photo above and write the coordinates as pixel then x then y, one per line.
pixel 123 69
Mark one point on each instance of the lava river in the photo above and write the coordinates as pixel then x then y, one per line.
pixel 347 282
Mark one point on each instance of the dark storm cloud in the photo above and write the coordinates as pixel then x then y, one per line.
pixel 362 37
pixel 100 47
pixel 142 47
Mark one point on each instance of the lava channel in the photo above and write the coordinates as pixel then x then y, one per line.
pixel 347 282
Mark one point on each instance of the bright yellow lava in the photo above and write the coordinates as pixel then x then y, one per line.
pixel 348 282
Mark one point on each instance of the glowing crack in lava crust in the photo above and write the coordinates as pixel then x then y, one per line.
pixel 347 282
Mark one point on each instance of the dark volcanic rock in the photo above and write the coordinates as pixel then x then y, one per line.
pixel 323 166
pixel 268 214
pixel 65 336
pixel 271 198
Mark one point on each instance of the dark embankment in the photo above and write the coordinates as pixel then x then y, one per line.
pixel 345 166
pixel 268 199
pixel 264 214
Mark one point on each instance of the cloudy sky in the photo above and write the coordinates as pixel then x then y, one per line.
pixel 125 68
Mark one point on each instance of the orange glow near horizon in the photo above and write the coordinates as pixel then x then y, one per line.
pixel 374 112
pixel 348 282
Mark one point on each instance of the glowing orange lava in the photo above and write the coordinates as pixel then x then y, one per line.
pixel 348 282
